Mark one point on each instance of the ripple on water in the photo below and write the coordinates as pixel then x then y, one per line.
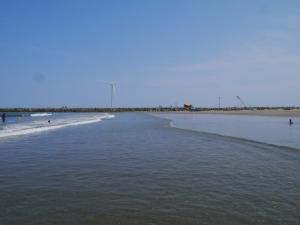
pixel 135 169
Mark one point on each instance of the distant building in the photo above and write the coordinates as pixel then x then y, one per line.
pixel 187 106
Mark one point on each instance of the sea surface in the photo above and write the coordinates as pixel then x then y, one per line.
pixel 272 130
pixel 28 123
pixel 134 168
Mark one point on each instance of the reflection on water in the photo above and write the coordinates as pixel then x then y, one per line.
pixel 272 130
pixel 135 169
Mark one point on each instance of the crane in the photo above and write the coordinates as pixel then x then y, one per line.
pixel 241 101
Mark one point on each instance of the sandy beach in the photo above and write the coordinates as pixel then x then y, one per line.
pixel 266 112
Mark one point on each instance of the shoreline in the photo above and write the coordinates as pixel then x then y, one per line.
pixel 263 111
pixel 266 112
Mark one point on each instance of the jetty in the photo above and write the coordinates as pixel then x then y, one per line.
pixel 147 109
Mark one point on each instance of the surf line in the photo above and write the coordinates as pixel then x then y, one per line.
pixel 15 132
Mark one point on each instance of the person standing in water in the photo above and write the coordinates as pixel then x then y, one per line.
pixel 3 117
pixel 291 121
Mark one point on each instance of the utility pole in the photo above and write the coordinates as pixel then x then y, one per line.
pixel 111 95
pixel 112 91
pixel 219 102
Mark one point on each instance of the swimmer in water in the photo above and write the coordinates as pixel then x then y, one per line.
pixel 49 121
pixel 3 117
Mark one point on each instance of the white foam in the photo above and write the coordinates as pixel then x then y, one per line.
pixel 40 114
pixel 42 126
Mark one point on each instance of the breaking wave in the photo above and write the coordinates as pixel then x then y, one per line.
pixel 40 114
pixel 36 126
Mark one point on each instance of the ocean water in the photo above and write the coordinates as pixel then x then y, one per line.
pixel 28 123
pixel 136 169
pixel 270 130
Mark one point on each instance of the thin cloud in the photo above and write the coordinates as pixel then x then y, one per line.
pixel 271 51
pixel 264 69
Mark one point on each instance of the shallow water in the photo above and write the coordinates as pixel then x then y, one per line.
pixel 271 130
pixel 136 169
pixel 27 123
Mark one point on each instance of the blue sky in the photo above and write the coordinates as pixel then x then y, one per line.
pixel 163 52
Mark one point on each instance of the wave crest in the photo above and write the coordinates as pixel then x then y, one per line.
pixel 40 114
pixel 42 125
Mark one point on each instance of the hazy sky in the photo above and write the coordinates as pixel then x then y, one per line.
pixel 164 52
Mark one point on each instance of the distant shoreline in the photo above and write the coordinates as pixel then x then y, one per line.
pixel 266 112
pixel 260 111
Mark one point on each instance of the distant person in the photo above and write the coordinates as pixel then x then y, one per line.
pixel 3 117
pixel 291 121
pixel 49 121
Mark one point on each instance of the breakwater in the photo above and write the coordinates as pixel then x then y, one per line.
pixel 142 109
